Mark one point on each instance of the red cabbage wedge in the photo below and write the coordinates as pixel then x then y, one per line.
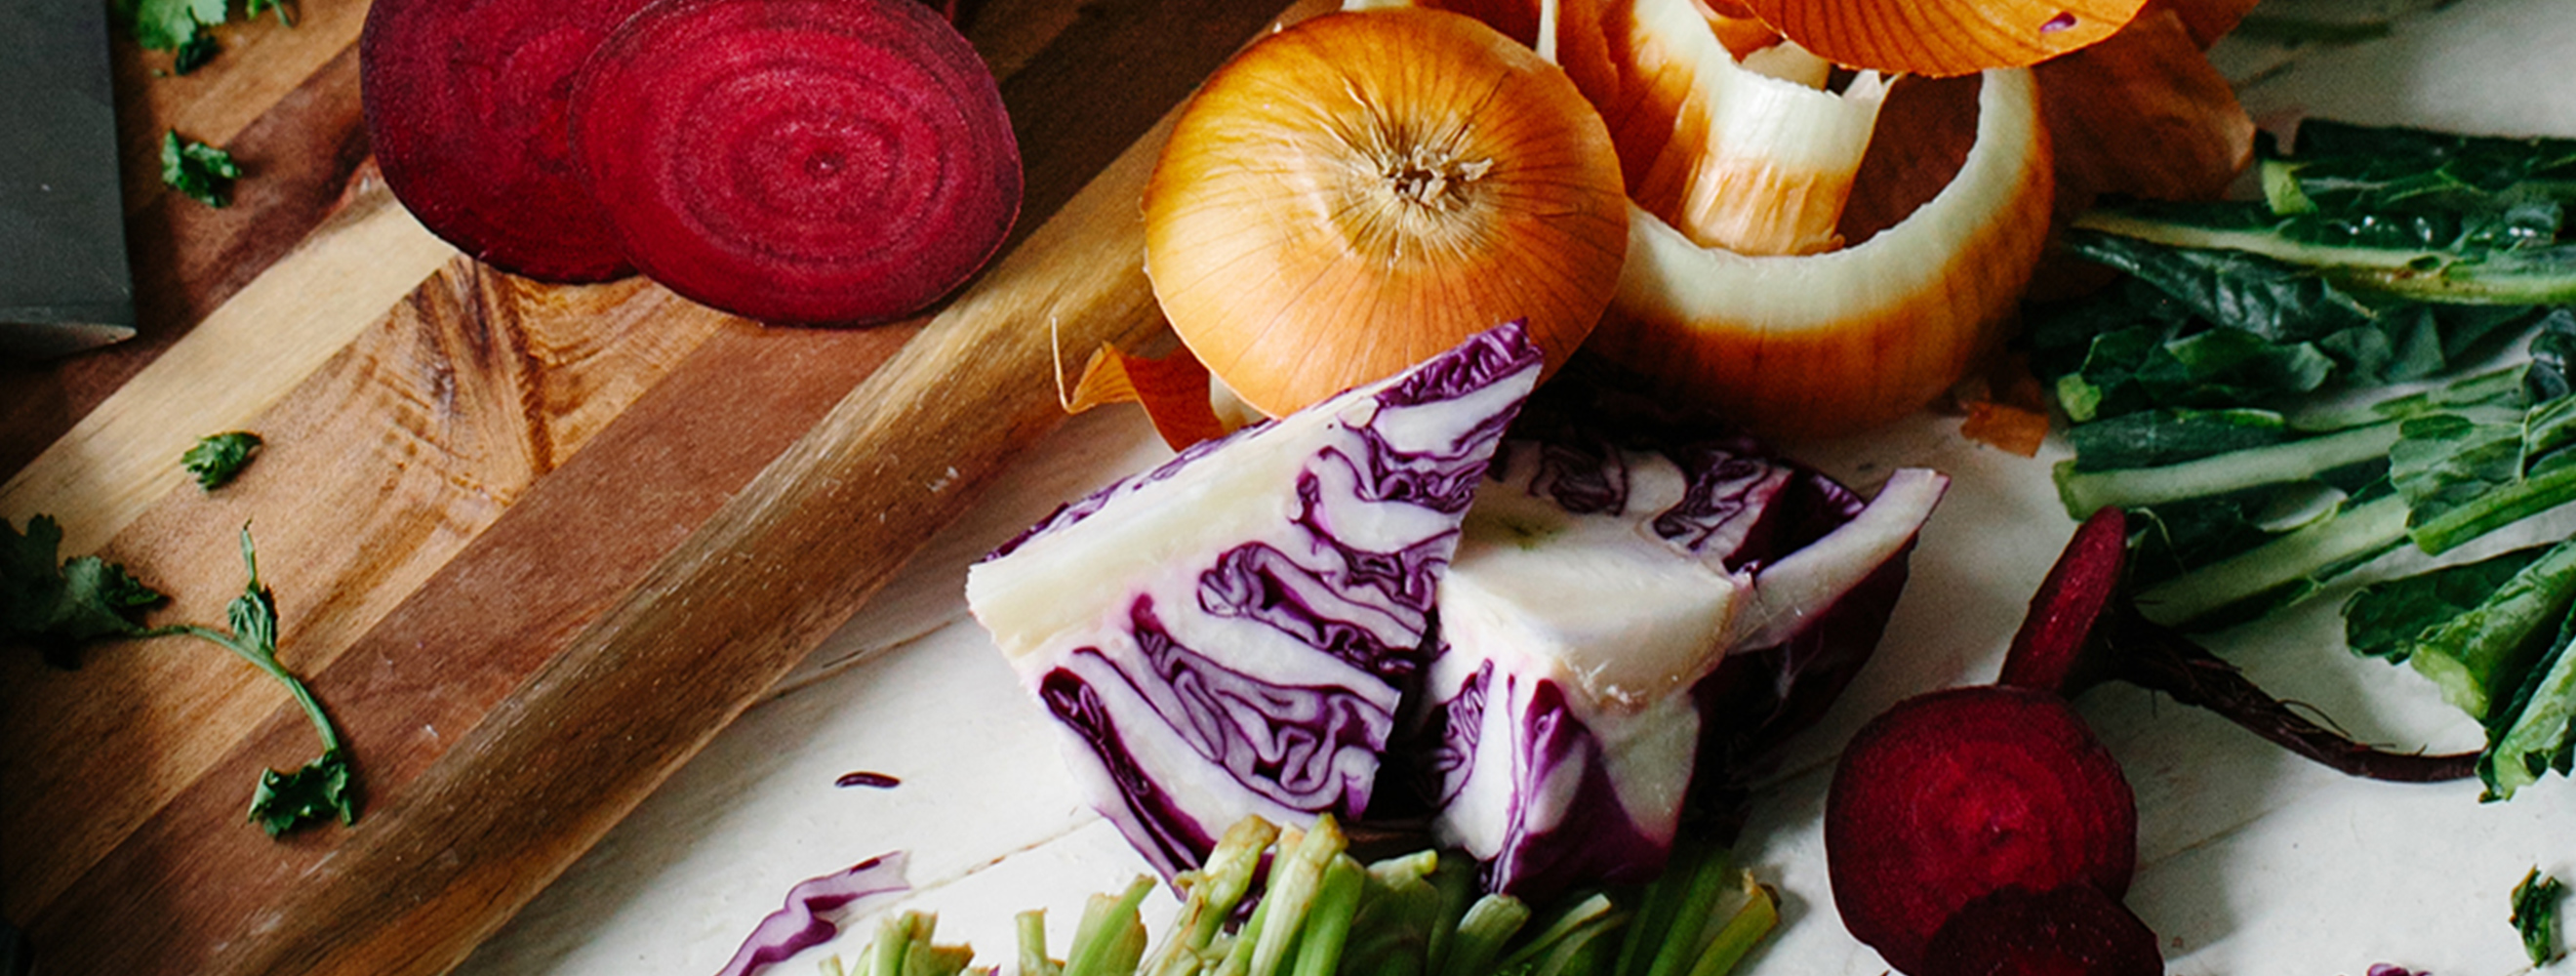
pixel 1229 634
pixel 1597 588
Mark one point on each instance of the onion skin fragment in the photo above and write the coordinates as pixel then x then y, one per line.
pixel 1943 38
pixel 1363 190
pixel 1836 343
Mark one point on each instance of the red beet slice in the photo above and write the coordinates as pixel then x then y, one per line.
pixel 465 108
pixel 1954 794
pixel 2074 930
pixel 798 161
pixel 2080 588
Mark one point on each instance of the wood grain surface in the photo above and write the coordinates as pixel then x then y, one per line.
pixel 533 545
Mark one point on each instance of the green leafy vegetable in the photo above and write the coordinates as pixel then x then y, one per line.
pixel 2535 915
pixel 2478 653
pixel 2534 734
pixel 2394 212
pixel 198 170
pixel 59 607
pixel 2284 390
pixel 217 458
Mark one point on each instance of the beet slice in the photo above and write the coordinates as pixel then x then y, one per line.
pixel 2071 930
pixel 1954 794
pixel 465 108
pixel 798 161
pixel 2050 646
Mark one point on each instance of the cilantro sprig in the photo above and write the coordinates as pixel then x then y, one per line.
pixel 179 26
pixel 203 172
pixel 58 605
pixel 217 458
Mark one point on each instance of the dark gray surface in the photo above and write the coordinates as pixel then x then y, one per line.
pixel 64 283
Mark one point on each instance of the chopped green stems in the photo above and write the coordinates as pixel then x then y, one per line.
pixel 1328 921
pixel 1743 930
pixel 1490 924
pixel 2357 532
pixel 1111 938
pixel 1034 960
pixel 2299 460
pixel 1455 879
pixel 1323 913
pixel 1212 892
pixel 1578 920
pixel 1701 890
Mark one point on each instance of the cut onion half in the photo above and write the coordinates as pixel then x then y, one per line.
pixel 1840 341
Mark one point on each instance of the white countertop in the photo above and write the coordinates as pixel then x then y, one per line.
pixel 2251 861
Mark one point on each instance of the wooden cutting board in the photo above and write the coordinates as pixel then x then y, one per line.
pixel 532 545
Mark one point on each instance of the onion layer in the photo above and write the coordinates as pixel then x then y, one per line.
pixel 1834 343
pixel 1360 191
pixel 1944 37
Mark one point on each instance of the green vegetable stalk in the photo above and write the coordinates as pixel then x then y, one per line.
pixel 1316 911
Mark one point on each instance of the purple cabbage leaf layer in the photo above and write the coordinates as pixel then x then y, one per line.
pixel 1230 633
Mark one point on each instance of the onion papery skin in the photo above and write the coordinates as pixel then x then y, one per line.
pixel 1944 37
pixel 804 162
pixel 1839 342
pixel 1283 248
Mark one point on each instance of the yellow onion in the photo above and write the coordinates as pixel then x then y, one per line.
pixel 1944 37
pixel 1839 341
pixel 1361 190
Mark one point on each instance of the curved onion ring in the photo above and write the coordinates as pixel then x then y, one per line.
pixel 1836 342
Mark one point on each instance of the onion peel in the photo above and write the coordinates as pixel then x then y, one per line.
pixel 1173 390
pixel 2144 114
pixel 1837 342
pixel 1944 38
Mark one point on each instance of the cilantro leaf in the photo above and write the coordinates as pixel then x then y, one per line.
pixel 59 606
pixel 2535 915
pixel 198 170
pixel 324 789
pixel 56 607
pixel 216 458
